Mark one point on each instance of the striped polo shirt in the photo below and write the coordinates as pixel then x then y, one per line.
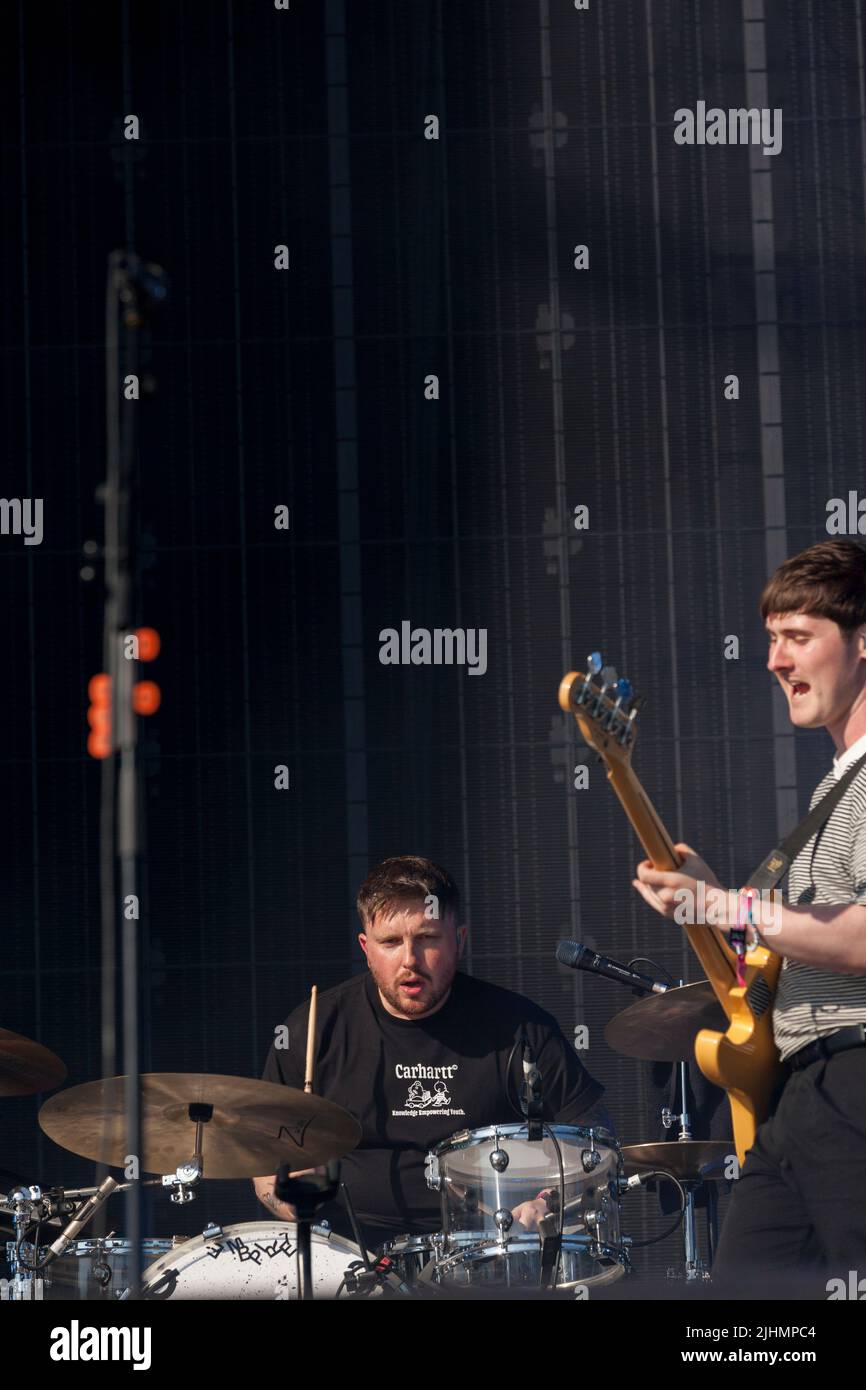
pixel 831 868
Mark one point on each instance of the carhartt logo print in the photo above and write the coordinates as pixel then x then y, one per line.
pixel 420 1098
pixel 429 1090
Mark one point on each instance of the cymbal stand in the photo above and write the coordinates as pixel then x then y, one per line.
pixel 26 1283
pixel 187 1176
pixel 694 1267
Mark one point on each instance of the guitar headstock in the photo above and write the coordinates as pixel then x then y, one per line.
pixel 605 708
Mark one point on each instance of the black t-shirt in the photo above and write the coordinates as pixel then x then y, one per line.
pixel 411 1084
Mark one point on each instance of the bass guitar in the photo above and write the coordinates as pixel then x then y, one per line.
pixel 743 1061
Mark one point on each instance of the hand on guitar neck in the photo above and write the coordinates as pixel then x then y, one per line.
pixel 661 889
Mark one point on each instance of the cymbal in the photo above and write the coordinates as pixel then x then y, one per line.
pixel 255 1126
pixel 27 1067
pixel 663 1027
pixel 687 1159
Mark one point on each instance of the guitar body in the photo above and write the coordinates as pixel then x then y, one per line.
pixel 744 1061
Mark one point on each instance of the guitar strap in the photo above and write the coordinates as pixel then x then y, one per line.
pixel 779 861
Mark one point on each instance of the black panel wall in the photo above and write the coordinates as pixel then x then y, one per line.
pixel 410 258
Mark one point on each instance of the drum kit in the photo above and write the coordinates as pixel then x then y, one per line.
pixel 200 1128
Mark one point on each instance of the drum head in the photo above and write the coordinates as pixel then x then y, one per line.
pixel 467 1154
pixel 250 1260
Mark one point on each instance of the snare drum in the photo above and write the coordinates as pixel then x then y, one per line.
pixel 483 1175
pixel 250 1260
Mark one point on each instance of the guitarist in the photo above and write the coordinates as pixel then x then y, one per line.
pixel 799 1207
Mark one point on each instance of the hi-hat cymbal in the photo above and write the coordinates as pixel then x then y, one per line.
pixel 663 1027
pixel 27 1067
pixel 688 1159
pixel 255 1127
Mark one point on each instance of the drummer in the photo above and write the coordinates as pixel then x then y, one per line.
pixel 416 1050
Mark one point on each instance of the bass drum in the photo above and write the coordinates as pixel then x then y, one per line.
pixel 255 1260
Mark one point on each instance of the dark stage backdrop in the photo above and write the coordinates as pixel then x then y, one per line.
pixel 431 385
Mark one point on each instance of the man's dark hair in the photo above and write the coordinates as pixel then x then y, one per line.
pixel 396 882
pixel 828 581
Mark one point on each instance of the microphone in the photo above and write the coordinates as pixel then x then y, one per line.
pixel 531 1074
pixel 531 1101
pixel 578 957
pixel 56 1203
pixel 85 1213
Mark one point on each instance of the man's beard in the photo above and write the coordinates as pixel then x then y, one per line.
pixel 420 1004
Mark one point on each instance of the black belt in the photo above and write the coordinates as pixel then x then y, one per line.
pixel 840 1041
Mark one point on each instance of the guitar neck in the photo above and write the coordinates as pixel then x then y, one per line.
pixel 708 943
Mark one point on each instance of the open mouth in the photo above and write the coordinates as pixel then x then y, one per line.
pixel 799 689
pixel 411 986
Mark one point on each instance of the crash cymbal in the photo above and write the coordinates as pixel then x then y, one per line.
pixel 27 1067
pixel 688 1159
pixel 663 1027
pixel 255 1125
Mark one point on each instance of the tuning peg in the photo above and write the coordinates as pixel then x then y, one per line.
pixel 609 675
pixel 594 663
pixel 624 688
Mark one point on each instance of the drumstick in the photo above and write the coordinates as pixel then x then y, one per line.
pixel 311 1041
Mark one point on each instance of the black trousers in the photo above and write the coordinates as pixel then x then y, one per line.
pixel 797 1216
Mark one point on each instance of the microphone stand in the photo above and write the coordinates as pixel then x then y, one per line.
pixel 360 1241
pixel 532 1101
pixel 306 1195
pixel 132 288
pixel 532 1105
